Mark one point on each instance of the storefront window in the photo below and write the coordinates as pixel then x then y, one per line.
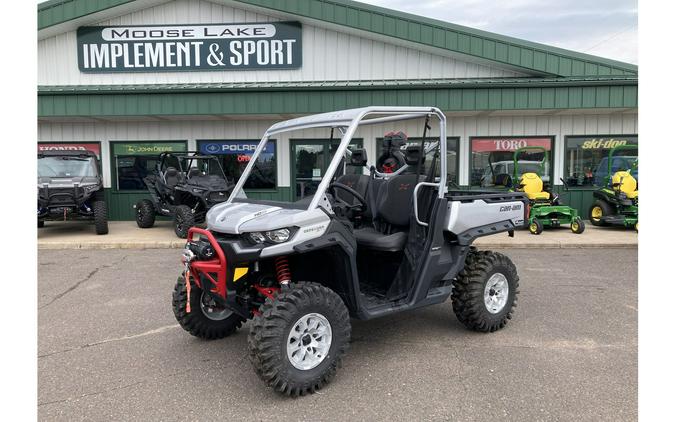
pixel 452 158
pixel 586 158
pixel 133 161
pixel 235 155
pixel 492 159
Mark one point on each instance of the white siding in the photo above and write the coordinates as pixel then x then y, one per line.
pixel 557 126
pixel 327 54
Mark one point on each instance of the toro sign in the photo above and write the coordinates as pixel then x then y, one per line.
pixel 171 48
pixel 508 144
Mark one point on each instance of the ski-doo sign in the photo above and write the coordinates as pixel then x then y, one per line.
pixel 171 48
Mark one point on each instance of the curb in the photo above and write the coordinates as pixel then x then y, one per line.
pixel 179 244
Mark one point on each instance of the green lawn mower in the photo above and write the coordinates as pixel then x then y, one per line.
pixel 546 210
pixel 616 201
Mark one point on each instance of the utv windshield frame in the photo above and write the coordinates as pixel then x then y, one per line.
pixel 347 122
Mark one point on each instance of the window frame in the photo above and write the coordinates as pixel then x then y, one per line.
pixel 275 189
pixel 378 150
pixel 114 182
pixel 552 156
pixel 590 187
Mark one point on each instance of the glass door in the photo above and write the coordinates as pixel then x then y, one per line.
pixel 310 161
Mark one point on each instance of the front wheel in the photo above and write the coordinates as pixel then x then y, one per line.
pixel 206 318
pixel 536 227
pixel 486 291
pixel 145 214
pixel 100 216
pixel 577 226
pixel 183 219
pixel 297 341
pixel 598 210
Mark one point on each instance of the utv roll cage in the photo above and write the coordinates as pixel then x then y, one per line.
pixel 346 122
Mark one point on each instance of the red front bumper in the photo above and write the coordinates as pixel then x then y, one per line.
pixel 216 266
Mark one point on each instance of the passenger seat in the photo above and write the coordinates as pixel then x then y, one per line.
pixel 393 209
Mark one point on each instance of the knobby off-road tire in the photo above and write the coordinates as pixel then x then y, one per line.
pixel 145 214
pixel 468 295
pixel 100 213
pixel 601 207
pixel 269 338
pixel 196 322
pixel 183 219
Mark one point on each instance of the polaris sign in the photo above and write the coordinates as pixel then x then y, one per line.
pixel 171 48
pixel 233 147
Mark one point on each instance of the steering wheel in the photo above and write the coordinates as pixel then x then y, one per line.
pixel 362 205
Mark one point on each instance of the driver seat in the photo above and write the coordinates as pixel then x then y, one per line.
pixel 623 181
pixel 172 177
pixel 358 182
pixel 533 186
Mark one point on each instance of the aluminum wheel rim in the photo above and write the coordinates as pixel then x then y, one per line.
pixel 309 341
pixel 496 293
pixel 211 310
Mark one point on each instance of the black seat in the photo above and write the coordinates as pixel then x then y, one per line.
pixel 172 176
pixel 392 211
pixel 194 172
pixel 358 182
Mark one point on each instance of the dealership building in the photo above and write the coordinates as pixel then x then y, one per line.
pixel 131 79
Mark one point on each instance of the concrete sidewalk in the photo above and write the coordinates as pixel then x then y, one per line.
pixel 126 235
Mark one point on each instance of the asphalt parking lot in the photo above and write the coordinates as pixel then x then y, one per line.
pixel 110 349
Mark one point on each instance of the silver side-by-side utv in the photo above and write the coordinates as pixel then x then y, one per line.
pixel 366 244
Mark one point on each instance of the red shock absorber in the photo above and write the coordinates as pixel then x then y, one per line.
pixel 283 270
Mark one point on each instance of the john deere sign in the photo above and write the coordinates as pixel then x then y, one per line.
pixel 276 45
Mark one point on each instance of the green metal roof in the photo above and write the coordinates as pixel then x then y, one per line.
pixel 340 85
pixel 145 100
pixel 525 55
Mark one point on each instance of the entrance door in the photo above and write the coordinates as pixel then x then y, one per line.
pixel 310 162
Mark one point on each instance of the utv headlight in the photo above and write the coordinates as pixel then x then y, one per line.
pixel 90 188
pixel 279 235
pixel 257 237
pixel 272 236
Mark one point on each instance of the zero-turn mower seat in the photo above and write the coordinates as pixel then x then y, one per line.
pixel 627 182
pixel 532 185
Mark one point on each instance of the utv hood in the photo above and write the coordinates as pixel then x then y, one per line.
pixel 241 217
pixel 213 183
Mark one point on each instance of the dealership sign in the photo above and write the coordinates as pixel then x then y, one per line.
pixel 243 149
pixel 600 142
pixel 147 148
pixel 508 144
pixel 93 147
pixel 171 48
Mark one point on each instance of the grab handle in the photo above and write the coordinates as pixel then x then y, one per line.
pixel 417 187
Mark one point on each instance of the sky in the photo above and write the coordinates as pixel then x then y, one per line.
pixel 606 28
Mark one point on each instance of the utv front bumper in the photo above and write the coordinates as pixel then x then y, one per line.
pixel 217 264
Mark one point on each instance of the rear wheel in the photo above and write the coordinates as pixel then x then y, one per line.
pixel 578 226
pixel 486 291
pixel 183 219
pixel 536 227
pixel 100 216
pixel 206 318
pixel 598 210
pixel 297 341
pixel 145 214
